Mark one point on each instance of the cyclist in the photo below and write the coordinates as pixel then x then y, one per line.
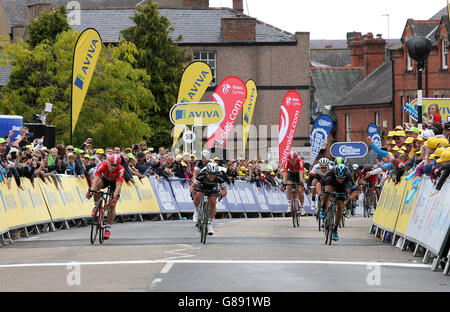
pixel 337 180
pixel 371 180
pixel 316 179
pixel 294 172
pixel 109 173
pixel 200 164
pixel 208 179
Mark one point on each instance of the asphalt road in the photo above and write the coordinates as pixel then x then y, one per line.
pixel 254 254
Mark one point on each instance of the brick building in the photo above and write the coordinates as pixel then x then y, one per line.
pixel 231 42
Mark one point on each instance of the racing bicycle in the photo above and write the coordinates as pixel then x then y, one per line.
pixel 330 219
pixel 98 224
pixel 203 214
pixel 295 204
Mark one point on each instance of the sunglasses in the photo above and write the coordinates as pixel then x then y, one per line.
pixel 113 165
pixel 70 149
pixel 397 138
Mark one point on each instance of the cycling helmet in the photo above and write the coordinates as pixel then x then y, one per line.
pixel 114 159
pixel 206 154
pixel 292 155
pixel 339 161
pixel 375 167
pixel 212 168
pixel 324 162
pixel 355 166
pixel 341 171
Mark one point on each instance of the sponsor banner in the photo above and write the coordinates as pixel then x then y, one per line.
pixel 70 199
pixel 248 200
pixel 11 207
pixel 195 80
pixel 443 104
pixel 146 195
pixel 397 202
pixel 233 200
pixel 349 149
pixel 249 108
pixel 32 203
pixel 182 196
pixel 321 129
pixel 164 196
pixel 87 51
pixel 381 203
pixel 260 197
pixel 53 200
pixel 430 220
pixel 8 123
pixel 80 188
pixel 128 202
pixel 406 208
pixel 230 94
pixel 196 114
pixel 374 133
pixel 289 119
pixel 3 222
pixel 276 199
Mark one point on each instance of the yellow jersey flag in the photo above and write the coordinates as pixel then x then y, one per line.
pixel 194 82
pixel 87 51
pixel 248 109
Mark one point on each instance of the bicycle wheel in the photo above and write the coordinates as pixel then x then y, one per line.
pixel 204 222
pixel 331 215
pixel 101 225
pixel 366 204
pixel 94 224
pixel 294 210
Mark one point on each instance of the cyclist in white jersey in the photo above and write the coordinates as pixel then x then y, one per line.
pixel 316 176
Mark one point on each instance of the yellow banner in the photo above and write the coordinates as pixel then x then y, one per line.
pixel 406 209
pixel 442 103
pixel 193 114
pixel 87 51
pixel 147 197
pixel 32 202
pixel 11 208
pixel 194 82
pixel 53 199
pixel 248 109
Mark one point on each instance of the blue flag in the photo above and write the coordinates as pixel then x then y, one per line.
pixel 321 130
pixel 374 133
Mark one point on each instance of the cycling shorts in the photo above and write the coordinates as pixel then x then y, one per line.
pixel 294 177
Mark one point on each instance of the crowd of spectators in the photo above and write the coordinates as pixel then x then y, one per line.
pixel 21 158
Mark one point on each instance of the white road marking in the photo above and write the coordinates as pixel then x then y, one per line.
pixel 364 263
pixel 167 268
pixel 157 280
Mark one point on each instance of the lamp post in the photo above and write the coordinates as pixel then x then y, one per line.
pixel 418 49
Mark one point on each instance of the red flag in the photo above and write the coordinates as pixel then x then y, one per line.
pixel 230 94
pixel 288 122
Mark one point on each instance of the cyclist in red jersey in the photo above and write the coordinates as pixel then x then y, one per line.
pixel 108 173
pixel 371 180
pixel 294 172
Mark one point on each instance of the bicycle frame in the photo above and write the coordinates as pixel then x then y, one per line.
pixel 98 221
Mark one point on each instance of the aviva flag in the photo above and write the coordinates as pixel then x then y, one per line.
pixel 249 108
pixel 87 51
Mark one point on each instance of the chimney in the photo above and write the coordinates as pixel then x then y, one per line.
pixel 35 10
pixel 373 52
pixel 196 3
pixel 354 42
pixel 239 29
pixel 238 6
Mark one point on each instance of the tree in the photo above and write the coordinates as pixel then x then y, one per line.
pixel 116 97
pixel 163 60
pixel 47 26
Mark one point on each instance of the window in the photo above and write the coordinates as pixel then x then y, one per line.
pixel 444 54
pixel 209 57
pixel 378 119
pixel 409 62
pixel 348 136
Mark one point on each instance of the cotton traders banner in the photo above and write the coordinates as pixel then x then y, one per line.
pixel 321 129
pixel 249 108
pixel 87 51
pixel 195 80
pixel 374 134
pixel 230 95
pixel 287 125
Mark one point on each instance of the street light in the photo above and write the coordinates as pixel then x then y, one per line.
pixel 418 49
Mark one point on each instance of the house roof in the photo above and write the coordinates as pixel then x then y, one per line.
pixel 375 89
pixel 197 26
pixel 331 57
pixel 333 83
pixel 439 14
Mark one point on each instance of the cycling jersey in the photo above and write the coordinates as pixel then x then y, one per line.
pixel 104 173
pixel 372 180
pixel 204 184
pixel 330 179
pixel 296 167
pixel 316 172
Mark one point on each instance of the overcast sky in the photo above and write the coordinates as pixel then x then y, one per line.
pixel 332 19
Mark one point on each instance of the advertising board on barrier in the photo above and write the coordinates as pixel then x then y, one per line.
pixel 164 196
pixel 245 193
pixel 147 196
pixel 406 209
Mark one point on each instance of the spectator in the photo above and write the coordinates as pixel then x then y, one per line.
pixel 432 115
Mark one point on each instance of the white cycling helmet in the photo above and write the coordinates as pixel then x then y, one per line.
pixel 355 166
pixel 206 154
pixel 212 168
pixel 375 167
pixel 324 162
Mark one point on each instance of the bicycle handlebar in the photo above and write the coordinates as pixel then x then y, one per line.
pixel 100 192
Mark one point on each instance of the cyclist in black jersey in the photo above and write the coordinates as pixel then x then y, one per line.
pixel 208 179
pixel 200 164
